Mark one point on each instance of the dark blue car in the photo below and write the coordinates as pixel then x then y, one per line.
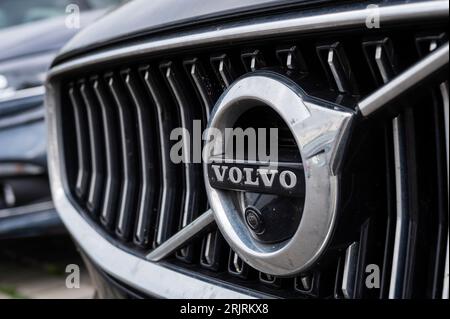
pixel 31 34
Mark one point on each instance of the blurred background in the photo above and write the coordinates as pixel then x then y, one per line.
pixel 34 246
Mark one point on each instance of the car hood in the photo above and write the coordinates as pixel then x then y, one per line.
pixel 41 36
pixel 142 17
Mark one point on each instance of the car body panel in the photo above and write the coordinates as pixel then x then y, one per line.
pixel 160 15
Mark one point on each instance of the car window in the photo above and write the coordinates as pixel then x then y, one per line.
pixel 15 12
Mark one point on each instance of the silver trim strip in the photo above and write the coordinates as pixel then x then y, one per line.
pixel 23 94
pixel 443 88
pixel 384 64
pixel 22 118
pixel 337 69
pixel 23 210
pixel 349 274
pixel 446 276
pixel 401 198
pixel 208 249
pixel 406 80
pixel 182 237
pixel 293 23
pixel 445 96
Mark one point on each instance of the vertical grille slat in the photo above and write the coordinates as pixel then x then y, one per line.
pixel 349 271
pixel 366 250
pixel 146 210
pixel 211 249
pixel 426 43
pixel 192 198
pixel 308 284
pixel 96 143
pixel 270 281
pixel 337 67
pixel 237 267
pixel 112 147
pixel 407 205
pixel 127 206
pixel 82 140
pixel 381 58
pixel 291 58
pixel 223 69
pixel 169 181
pixel 386 266
pixel 439 97
pixel 203 85
pixel 338 276
pixel 406 225
pixel 253 60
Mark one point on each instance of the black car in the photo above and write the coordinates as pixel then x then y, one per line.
pixel 351 203
pixel 31 34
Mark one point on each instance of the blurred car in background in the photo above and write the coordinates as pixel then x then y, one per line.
pixel 31 34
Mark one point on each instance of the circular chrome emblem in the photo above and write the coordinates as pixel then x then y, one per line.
pixel 277 216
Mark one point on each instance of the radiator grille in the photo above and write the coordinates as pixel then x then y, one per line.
pixel 117 119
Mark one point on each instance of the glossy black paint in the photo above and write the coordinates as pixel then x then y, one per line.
pixel 143 17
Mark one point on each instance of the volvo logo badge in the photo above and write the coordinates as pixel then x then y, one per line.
pixel 277 216
pixel 247 176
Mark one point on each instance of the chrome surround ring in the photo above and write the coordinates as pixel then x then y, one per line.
pixel 321 131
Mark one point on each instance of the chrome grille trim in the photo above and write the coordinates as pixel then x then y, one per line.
pixel 112 186
pixel 191 182
pixel 353 16
pixel 169 191
pixel 82 142
pixel 349 274
pixel 401 230
pixel 445 97
pixel 148 166
pixel 150 278
pixel 95 141
pixel 128 157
